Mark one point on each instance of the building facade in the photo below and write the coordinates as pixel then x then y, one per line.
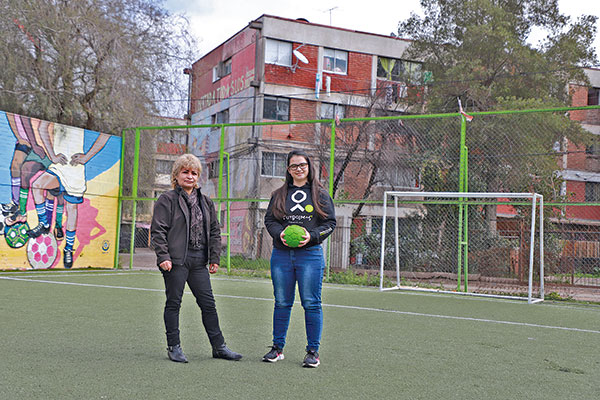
pixel 278 69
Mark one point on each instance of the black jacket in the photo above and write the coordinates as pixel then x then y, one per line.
pixel 299 210
pixel 171 225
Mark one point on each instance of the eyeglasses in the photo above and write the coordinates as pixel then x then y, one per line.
pixel 295 167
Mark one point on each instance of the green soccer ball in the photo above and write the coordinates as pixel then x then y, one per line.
pixel 16 235
pixel 293 235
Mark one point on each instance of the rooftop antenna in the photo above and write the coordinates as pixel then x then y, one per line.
pixel 330 10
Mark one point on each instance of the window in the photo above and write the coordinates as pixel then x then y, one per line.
pixel 592 191
pixel 226 68
pixel 222 117
pixel 593 96
pixel 330 111
pixel 172 136
pixel 399 177
pixel 278 52
pixel 273 164
pixel 213 169
pixel 221 69
pixel 335 61
pixel 164 166
pixel 277 108
pixel 399 70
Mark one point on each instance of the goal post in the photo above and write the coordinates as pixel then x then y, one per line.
pixel 464 203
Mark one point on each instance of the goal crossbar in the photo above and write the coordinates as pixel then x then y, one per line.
pixel 537 200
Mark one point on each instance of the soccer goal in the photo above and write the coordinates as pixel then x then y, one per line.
pixel 439 236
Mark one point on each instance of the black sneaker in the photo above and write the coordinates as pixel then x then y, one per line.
pixel 311 360
pixel 8 208
pixel 59 234
pixel 68 258
pixel 175 353
pixel 275 354
pixel 38 231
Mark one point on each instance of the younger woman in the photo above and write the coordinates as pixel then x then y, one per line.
pixel 301 200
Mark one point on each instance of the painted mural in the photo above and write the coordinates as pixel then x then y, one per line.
pixel 58 195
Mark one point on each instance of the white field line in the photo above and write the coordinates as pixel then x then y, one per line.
pixel 406 292
pixel 563 328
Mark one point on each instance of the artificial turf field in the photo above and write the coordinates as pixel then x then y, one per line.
pixel 100 335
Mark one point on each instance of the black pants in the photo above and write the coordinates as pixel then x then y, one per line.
pixel 195 273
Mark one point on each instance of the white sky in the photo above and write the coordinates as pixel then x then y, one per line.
pixel 214 21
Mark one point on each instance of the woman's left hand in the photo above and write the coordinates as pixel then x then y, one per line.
pixel 212 268
pixel 306 237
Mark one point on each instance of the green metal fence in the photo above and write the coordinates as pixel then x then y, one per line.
pixel 358 158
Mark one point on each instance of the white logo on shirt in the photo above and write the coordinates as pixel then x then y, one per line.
pixel 303 197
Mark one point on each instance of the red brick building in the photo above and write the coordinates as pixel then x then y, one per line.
pixel 278 69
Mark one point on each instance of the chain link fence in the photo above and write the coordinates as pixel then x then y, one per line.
pixel 534 151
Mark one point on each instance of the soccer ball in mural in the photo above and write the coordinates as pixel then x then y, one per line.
pixel 5 211
pixel 16 235
pixel 42 251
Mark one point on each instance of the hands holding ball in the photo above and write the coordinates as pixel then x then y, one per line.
pixel 295 236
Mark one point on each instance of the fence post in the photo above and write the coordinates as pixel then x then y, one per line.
pixel 462 208
pixel 331 172
pixel 120 201
pixel 134 193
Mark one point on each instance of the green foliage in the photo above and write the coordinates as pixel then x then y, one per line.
pixel 477 50
pixel 293 235
pixel 556 297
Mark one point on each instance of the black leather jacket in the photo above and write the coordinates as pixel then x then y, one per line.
pixel 171 225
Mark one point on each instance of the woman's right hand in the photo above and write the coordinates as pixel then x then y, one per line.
pixel 282 236
pixel 166 265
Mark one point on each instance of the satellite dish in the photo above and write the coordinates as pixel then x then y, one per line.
pixel 300 56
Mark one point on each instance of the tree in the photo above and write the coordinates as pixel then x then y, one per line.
pixel 98 64
pixel 477 50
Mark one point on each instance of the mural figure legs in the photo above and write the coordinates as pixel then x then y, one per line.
pixel 50 183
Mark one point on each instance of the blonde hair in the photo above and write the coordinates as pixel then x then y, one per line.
pixel 188 161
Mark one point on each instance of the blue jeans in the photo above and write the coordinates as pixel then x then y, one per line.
pixel 304 266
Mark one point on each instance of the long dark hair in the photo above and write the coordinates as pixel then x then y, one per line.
pixel 316 188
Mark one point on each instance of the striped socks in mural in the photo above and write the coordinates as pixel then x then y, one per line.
pixel 49 210
pixel 60 209
pixel 70 239
pixel 23 193
pixel 41 212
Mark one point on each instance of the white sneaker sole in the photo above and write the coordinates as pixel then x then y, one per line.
pixel 315 365
pixel 279 357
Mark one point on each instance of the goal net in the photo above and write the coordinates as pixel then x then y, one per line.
pixel 482 244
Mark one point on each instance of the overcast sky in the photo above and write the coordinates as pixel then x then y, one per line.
pixel 214 21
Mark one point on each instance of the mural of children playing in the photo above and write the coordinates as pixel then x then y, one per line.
pixel 26 163
pixel 65 176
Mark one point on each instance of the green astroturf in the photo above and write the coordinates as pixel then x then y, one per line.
pixel 102 338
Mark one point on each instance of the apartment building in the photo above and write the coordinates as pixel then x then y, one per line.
pixel 278 69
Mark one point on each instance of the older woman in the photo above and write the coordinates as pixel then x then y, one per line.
pixel 186 237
